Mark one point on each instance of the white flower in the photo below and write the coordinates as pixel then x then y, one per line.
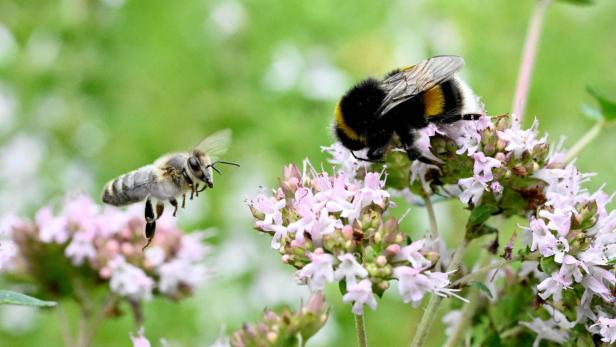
pixel 318 272
pixel 472 190
pixel 154 256
pixel 180 272
pixel 349 269
pixel 411 254
pixel 360 294
pixel 81 248
pixel 129 281
pixel 343 159
pixel 554 329
pixel 140 340
pixel 606 327
pixel 413 283
pixel 519 140
pixel 51 228
pixel 483 166
pixel 451 320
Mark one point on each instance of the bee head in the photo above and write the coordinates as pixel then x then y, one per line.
pixel 201 168
pixel 356 112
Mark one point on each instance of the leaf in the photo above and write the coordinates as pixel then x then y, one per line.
pixel 607 107
pixel 481 287
pixel 342 286
pixel 8 297
pixel 480 214
pixel 548 265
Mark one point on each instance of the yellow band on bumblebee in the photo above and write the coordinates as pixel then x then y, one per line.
pixel 341 124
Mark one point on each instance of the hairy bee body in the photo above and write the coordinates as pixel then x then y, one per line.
pixel 162 180
pixel 405 100
pixel 168 178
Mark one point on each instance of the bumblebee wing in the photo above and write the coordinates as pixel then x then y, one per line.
pixel 215 144
pixel 413 80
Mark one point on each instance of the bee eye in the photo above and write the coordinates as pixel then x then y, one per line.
pixel 193 163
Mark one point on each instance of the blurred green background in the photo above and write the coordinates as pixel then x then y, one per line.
pixel 91 89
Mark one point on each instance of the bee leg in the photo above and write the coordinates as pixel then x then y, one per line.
pixel 407 139
pixel 196 188
pixel 190 182
pixel 150 223
pixel 183 200
pixel 160 208
pixel 174 203
pixel 447 119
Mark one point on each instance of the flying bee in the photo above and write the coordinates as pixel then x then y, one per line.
pixel 405 100
pixel 169 177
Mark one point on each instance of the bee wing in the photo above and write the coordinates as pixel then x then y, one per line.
pixel 215 144
pixel 418 78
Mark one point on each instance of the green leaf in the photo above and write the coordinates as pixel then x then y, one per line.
pixel 8 297
pixel 548 265
pixel 480 214
pixel 607 107
pixel 481 287
pixel 579 2
pixel 342 286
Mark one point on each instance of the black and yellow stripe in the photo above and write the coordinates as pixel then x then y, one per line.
pixel 445 98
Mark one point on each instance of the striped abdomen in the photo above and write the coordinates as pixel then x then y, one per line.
pixel 130 188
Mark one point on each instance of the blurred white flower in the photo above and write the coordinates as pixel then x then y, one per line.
pixel 114 3
pixel 554 329
pixel 228 18
pixel 285 69
pixel 180 272
pixel 42 49
pixel 20 157
pixel 18 320
pixel 129 280
pixel 451 320
pixel 89 138
pixel 323 81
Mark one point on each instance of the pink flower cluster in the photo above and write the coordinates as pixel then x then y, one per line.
pixel 331 229
pixel 107 241
pixel 574 230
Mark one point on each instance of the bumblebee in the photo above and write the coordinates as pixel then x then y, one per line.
pixel 405 100
pixel 169 177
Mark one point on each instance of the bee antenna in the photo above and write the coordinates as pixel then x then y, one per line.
pixel 226 162
pixel 215 169
pixel 213 165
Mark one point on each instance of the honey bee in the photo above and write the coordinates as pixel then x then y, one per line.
pixel 405 100
pixel 169 177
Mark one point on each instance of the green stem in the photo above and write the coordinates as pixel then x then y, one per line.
pixel 360 329
pixel 469 308
pixel 431 216
pixel 528 59
pixel 584 141
pixel 430 313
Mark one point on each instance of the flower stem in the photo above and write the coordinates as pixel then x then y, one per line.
pixel 360 329
pixel 430 313
pixel 528 60
pixel 469 308
pixel 431 216
pixel 584 140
